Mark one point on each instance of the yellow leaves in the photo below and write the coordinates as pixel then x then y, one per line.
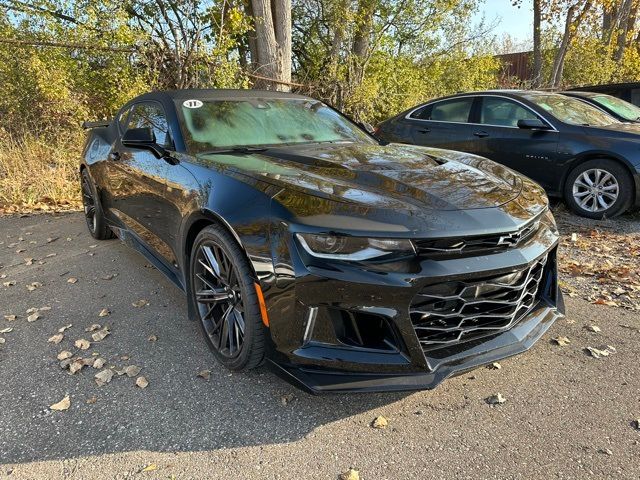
pixel 380 422
pixel 62 405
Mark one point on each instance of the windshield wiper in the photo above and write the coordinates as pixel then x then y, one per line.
pixel 244 150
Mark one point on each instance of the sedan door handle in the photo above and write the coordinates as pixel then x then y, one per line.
pixel 481 134
pixel 115 156
pixel 424 130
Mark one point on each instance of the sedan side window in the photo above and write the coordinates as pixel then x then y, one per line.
pixel 151 115
pixel 503 112
pixel 456 110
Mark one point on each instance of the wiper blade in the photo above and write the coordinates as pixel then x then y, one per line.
pixel 244 150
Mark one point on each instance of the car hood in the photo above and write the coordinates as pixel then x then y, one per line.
pixel 392 176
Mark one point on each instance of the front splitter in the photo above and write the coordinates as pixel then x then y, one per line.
pixel 518 339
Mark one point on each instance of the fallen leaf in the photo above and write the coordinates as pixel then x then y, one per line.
pixel 98 363
pixel 101 334
pixel 287 399
pixel 600 352
pixel 10 318
pixel 56 339
pixel 351 474
pixel 9 284
pixel 2 340
pixel 206 374
pixel 6 330
pixel 124 358
pixel 33 285
pixel 153 338
pixel 142 382
pixel 103 377
pixel 109 277
pixel 104 312
pixel 593 328
pixel 33 317
pixel 140 303
pixel 52 239
pixel 93 328
pixel 72 280
pixel 92 400
pixel 28 261
pixel 150 468
pixel 65 327
pixel 63 404
pixel 44 309
pixel 562 341
pixel 636 423
pixel 76 365
pixel 82 344
pixel 63 355
pixel 132 370
pixel 496 399
pixel 606 451
pixel 494 366
pixel 380 422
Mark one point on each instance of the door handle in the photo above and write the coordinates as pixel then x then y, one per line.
pixel 424 130
pixel 480 134
pixel 115 156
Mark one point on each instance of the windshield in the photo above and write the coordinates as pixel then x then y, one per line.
pixel 571 110
pixel 626 110
pixel 215 124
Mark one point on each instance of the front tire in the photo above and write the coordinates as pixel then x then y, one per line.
pixel 225 299
pixel 598 189
pixel 96 223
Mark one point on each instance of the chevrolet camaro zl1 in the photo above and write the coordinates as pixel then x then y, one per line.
pixel 303 242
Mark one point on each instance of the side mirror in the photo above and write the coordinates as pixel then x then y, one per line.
pixel 533 124
pixel 143 139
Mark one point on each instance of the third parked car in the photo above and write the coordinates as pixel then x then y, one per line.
pixel 573 149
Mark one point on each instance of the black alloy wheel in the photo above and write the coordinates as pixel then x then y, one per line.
pixel 93 210
pixel 224 293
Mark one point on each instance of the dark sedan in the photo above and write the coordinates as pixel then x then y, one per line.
pixel 574 150
pixel 616 107
pixel 300 240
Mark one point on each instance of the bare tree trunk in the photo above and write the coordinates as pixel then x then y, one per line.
pixel 623 28
pixel 570 28
pixel 272 19
pixel 537 47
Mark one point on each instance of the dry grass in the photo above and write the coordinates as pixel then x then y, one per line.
pixel 37 174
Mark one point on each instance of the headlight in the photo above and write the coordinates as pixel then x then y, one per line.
pixel 352 248
pixel 550 222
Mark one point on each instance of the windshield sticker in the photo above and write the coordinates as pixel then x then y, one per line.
pixel 192 103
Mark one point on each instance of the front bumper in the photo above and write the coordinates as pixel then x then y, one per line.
pixel 349 328
pixel 517 340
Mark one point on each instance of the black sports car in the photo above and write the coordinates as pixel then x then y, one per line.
pixel 301 240
pixel 616 107
pixel 572 149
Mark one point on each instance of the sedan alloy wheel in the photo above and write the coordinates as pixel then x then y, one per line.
pixel 596 190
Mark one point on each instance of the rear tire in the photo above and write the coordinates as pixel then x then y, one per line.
pixel 599 188
pixel 226 302
pixel 93 213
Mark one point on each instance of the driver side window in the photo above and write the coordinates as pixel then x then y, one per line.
pixel 151 115
pixel 502 112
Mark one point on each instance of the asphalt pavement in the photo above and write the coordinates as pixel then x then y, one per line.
pixel 566 414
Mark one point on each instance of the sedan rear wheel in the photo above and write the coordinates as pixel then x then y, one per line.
pixel 226 300
pixel 598 189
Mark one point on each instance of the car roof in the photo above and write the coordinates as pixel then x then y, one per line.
pixel 573 93
pixel 215 94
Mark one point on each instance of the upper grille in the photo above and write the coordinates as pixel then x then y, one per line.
pixel 459 311
pixel 461 246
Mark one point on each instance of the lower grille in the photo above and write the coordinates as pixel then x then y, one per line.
pixel 459 311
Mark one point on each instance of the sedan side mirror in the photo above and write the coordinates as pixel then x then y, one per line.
pixel 533 124
pixel 143 139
